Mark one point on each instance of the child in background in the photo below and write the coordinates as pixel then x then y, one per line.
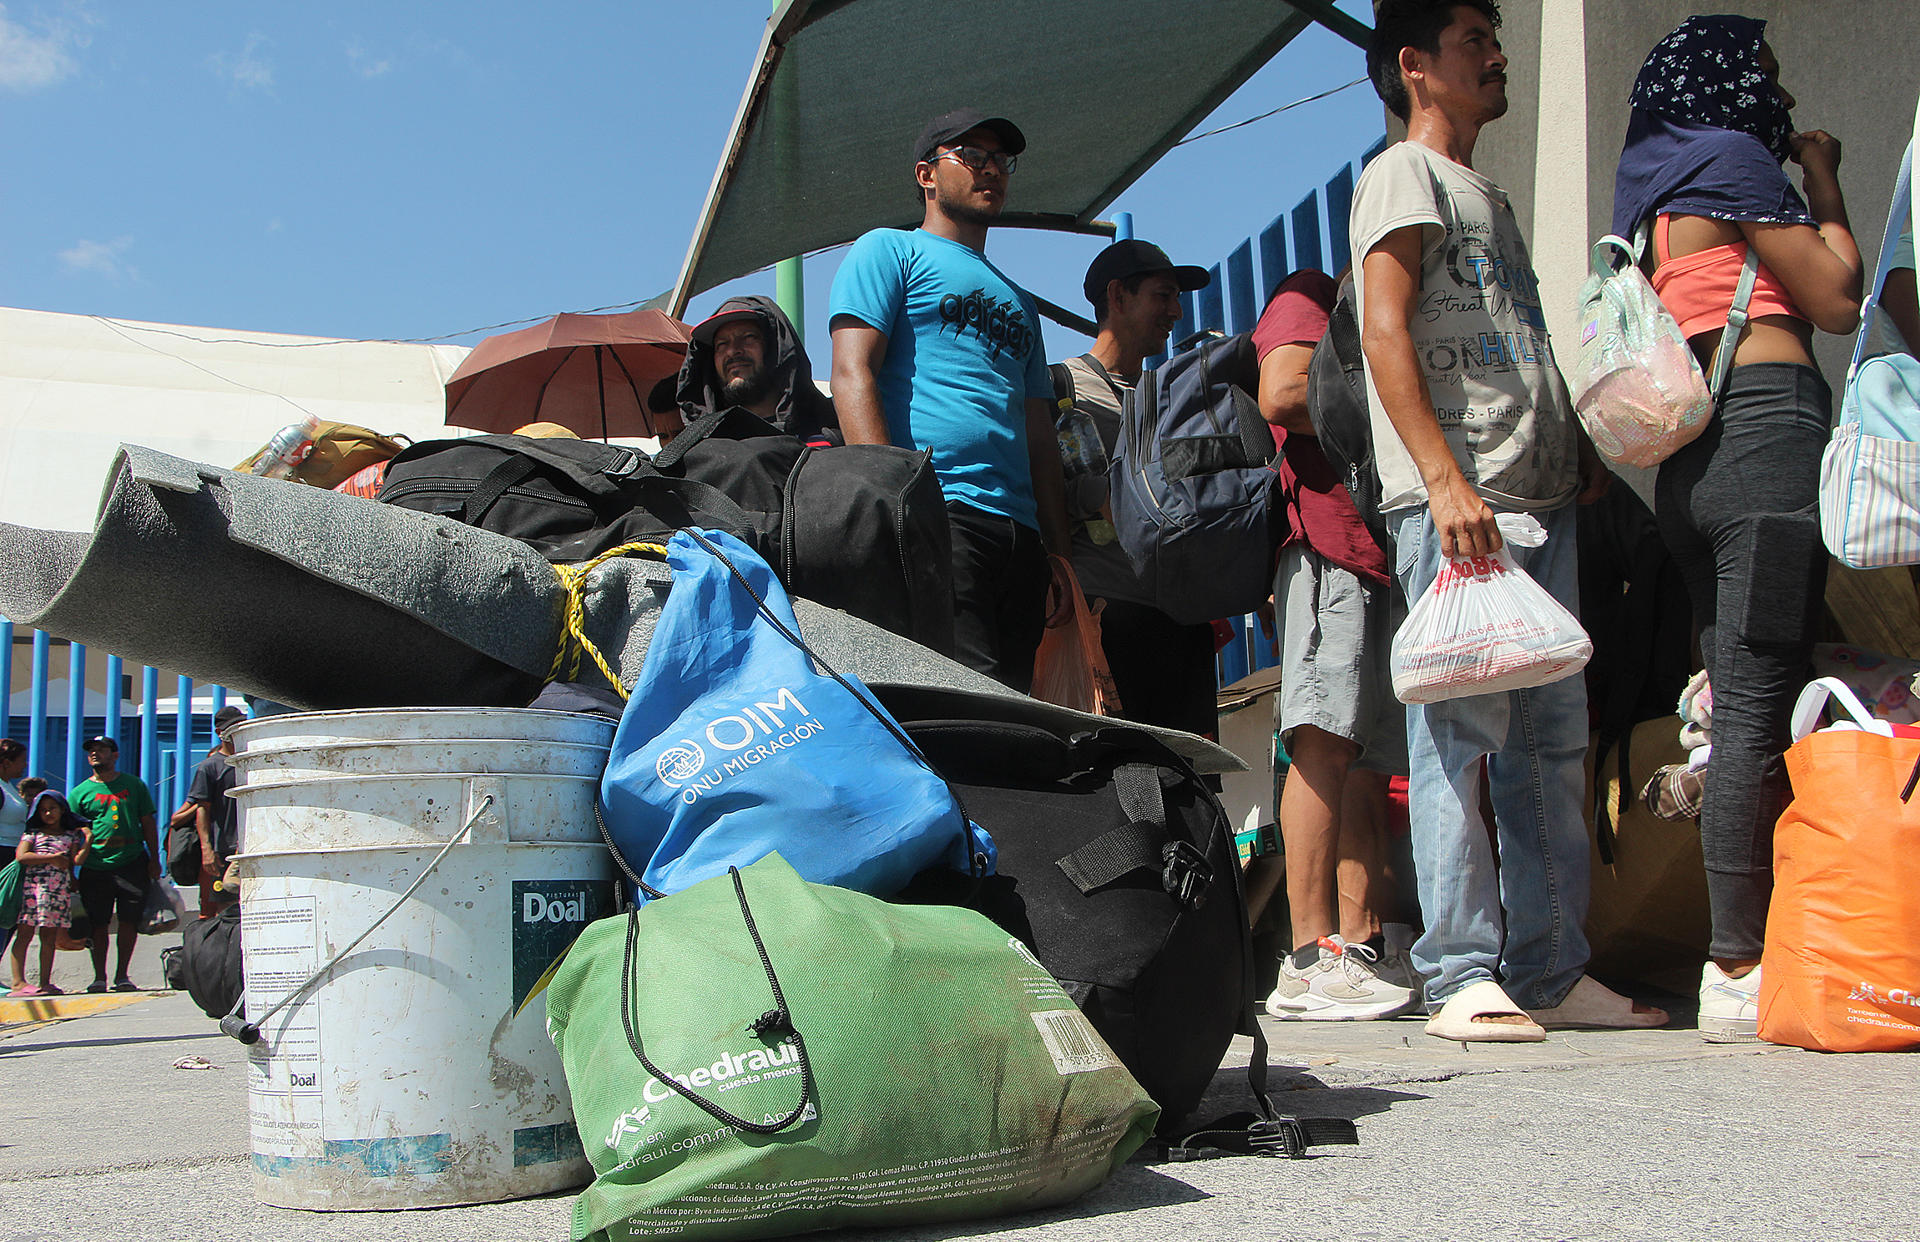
pixel 54 843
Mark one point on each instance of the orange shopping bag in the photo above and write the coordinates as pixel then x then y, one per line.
pixel 1070 668
pixel 1841 971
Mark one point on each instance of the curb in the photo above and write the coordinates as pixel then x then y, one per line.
pixel 18 1013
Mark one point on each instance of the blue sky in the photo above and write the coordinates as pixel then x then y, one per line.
pixel 419 170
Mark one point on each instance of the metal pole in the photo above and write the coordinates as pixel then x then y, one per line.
pixel 789 277
pixel 116 671
pixel 150 726
pixel 76 709
pixel 37 710
pixel 182 745
pixel 6 673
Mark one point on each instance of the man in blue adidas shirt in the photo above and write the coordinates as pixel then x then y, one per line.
pixel 933 347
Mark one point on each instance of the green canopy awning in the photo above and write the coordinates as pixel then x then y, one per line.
pixel 819 151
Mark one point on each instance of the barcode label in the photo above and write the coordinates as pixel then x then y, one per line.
pixel 1072 1042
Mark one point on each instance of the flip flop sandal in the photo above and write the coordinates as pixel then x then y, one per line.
pixel 125 985
pixel 1595 1006
pixel 98 985
pixel 1485 999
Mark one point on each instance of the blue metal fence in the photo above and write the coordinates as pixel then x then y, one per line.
pixel 1312 234
pixel 163 754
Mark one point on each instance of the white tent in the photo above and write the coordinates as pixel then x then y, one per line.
pixel 75 387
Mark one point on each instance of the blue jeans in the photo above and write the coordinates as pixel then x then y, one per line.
pixel 1535 743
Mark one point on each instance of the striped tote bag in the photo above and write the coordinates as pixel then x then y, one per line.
pixel 1870 471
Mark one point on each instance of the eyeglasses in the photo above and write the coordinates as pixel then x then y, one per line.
pixel 977 159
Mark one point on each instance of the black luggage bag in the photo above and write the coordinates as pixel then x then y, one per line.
pixel 862 528
pixel 569 499
pixel 207 964
pixel 858 527
pixel 1125 883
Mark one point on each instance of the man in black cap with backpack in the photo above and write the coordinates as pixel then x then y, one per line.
pixel 1162 669
pixel 934 348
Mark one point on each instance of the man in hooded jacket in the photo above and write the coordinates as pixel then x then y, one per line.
pixel 747 354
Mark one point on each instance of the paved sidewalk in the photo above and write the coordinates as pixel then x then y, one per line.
pixel 1589 1136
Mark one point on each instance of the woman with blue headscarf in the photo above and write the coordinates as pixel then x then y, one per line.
pixel 1738 507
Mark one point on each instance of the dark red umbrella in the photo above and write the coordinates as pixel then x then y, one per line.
pixel 589 373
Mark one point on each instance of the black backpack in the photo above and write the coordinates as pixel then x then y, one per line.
pixel 1337 404
pixel 1117 868
pixel 1190 484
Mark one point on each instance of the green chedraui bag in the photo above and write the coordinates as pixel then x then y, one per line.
pixel 816 1058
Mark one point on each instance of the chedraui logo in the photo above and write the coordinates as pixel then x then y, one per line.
pixel 633 1121
pixel 1864 991
pixel 728 745
pixel 733 1069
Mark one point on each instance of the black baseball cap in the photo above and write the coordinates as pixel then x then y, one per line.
pixel 1133 258
pixel 227 717
pixel 102 740
pixel 944 129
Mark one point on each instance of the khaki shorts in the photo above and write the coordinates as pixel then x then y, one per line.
pixel 1336 630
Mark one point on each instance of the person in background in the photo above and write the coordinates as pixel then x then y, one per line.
pixel 216 818
pixel 1343 730
pixel 13 810
pixel 54 843
pixel 1469 412
pixel 747 355
pixel 934 347
pixel 123 860
pixel 1163 670
pixel 1739 506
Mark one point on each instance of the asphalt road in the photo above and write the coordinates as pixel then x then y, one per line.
pixel 1611 1136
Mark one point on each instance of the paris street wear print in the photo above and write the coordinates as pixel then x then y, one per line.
pixel 1478 331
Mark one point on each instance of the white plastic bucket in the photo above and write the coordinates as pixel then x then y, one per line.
pixel 403 1077
pixel 437 724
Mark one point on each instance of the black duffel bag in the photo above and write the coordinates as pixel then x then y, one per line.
pixel 569 499
pixel 209 962
pixel 862 528
pixel 1125 883
pixel 859 527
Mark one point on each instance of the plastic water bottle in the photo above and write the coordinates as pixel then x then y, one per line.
pixel 288 448
pixel 1080 449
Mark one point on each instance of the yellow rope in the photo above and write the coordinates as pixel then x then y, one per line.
pixel 573 635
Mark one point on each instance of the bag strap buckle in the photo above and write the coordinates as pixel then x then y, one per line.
pixel 1185 873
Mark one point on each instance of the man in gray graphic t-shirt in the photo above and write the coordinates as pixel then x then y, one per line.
pixel 1470 416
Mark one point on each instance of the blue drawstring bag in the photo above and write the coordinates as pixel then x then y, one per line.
pixel 735 744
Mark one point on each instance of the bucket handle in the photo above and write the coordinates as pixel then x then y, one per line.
pixel 249 1032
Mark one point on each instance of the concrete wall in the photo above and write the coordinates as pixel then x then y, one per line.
pixel 1854 66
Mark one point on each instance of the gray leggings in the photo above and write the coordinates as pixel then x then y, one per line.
pixel 1739 509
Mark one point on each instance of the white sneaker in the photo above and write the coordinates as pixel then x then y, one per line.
pixel 1340 986
pixel 1729 1008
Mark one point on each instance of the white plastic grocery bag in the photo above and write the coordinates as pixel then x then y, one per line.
pixel 1486 626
